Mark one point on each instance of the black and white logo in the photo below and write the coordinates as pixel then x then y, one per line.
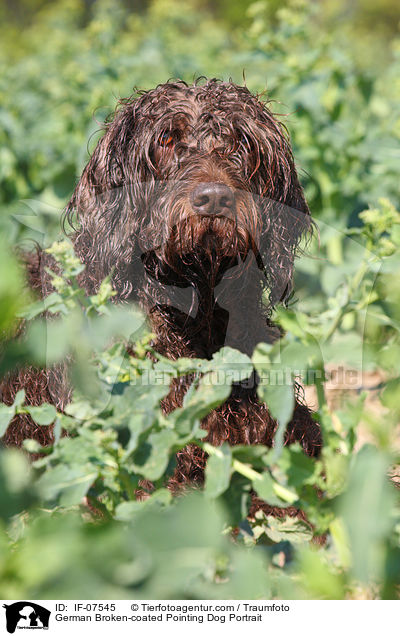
pixel 26 615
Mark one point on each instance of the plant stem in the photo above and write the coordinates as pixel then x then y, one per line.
pixel 357 278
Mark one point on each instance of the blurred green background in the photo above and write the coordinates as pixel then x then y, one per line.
pixel 333 68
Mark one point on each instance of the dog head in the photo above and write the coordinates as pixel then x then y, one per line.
pixel 187 180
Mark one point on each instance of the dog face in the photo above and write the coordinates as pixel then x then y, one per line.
pixel 189 179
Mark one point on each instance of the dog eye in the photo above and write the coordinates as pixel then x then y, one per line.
pixel 166 139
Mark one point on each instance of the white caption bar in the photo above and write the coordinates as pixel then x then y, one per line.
pixel 200 617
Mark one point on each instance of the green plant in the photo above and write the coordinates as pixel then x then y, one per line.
pixel 117 436
pixel 70 523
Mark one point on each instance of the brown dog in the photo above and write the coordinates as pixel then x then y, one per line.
pixel 191 198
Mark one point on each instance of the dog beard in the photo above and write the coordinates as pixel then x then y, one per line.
pixel 198 250
pixel 209 238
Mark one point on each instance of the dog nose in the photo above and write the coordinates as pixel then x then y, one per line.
pixel 212 198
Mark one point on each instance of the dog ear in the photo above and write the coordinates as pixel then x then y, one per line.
pixel 286 211
pixel 290 222
pixel 103 211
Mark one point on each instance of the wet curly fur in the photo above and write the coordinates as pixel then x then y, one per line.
pixel 191 199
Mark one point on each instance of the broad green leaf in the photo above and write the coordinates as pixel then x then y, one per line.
pixel 127 510
pixel 265 487
pixel 248 576
pixel 319 581
pixel 182 366
pixel 19 398
pixel 218 471
pixel 287 529
pixel 137 424
pixel 236 365
pixel 144 397
pixel 17 470
pixel 295 322
pixel 125 322
pixel 341 542
pixel 53 303
pixel 33 310
pixel 262 354
pixel 32 446
pixel 6 415
pixel 279 399
pixel 298 467
pixel 336 467
pixel 152 457
pixel 280 402
pixel 43 415
pixel 68 484
pixel 211 392
pixel 365 508
pixel 81 410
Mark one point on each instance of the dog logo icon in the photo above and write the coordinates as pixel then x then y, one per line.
pixel 26 615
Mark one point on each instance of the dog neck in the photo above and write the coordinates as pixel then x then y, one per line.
pixel 197 313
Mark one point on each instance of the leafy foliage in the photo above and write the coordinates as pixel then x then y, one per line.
pixel 117 436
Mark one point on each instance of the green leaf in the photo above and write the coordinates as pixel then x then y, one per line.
pixel 43 415
pixel 236 365
pixel 287 529
pixel 124 321
pixel 298 467
pixel 182 366
pixel 280 402
pixel 127 510
pixel 262 356
pixel 211 392
pixel 80 410
pixel 32 311
pixel 218 471
pixel 294 322
pixel 6 415
pixel 17 470
pixel 341 542
pixel 152 457
pixel 366 507
pixel 19 398
pixel 318 579
pixel 51 302
pixel 265 487
pixel 32 446
pixel 68 484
